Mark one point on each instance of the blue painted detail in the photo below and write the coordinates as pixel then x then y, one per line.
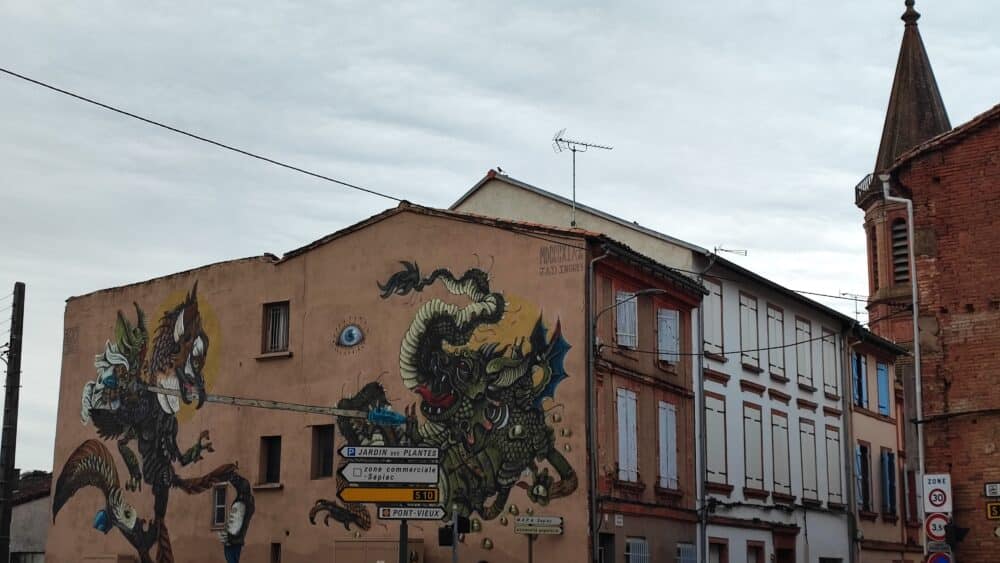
pixel 385 417
pixel 102 522
pixel 939 558
pixel 554 358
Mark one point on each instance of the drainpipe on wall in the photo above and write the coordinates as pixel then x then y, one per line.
pixel 848 446
pixel 702 445
pixel 591 388
pixel 916 345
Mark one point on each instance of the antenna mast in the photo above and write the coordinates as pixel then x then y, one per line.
pixel 560 143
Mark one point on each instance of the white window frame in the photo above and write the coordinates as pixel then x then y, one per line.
pixel 776 340
pixel 668 445
pixel 781 466
pixel 668 335
pixel 217 522
pixel 626 319
pixel 749 331
pixel 713 317
pixel 628 447
pixel 276 321
pixel 807 448
pixel 716 456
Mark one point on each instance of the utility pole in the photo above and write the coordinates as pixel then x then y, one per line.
pixel 561 143
pixel 9 439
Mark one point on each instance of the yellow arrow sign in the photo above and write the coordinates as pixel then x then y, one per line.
pixel 389 494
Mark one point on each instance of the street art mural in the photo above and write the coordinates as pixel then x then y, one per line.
pixel 479 400
pixel 123 408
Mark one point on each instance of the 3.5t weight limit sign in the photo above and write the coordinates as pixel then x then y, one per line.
pixel 934 526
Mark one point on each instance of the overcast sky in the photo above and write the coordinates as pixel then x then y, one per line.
pixel 742 123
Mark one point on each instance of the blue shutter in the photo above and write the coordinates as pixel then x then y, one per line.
pixel 886 472
pixel 864 382
pixel 891 457
pixel 883 389
pixel 855 375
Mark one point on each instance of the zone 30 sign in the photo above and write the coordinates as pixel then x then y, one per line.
pixel 937 492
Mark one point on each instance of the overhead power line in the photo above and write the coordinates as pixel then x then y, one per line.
pixel 196 136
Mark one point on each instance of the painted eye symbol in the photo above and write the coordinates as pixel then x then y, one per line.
pixel 351 335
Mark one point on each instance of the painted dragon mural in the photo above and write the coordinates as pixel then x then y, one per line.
pixel 482 407
pixel 122 407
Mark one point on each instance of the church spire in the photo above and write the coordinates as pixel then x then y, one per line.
pixel 916 112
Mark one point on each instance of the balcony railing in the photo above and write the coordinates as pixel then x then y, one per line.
pixel 865 188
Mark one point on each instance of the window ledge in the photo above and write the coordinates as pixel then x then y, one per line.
pixel 675 494
pixel 782 498
pixel 719 488
pixel 867 515
pixel 668 367
pixel 778 377
pixel 631 486
pixel 862 410
pixel 716 357
pixel 624 352
pixel 806 387
pixel 831 396
pixel 273 355
pixel 751 368
pixel 836 505
pixel 268 486
pixel 812 502
pixel 752 492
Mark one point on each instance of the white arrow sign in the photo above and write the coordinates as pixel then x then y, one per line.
pixel 391 473
pixel 410 513
pixel 538 530
pixel 378 452
pixel 538 521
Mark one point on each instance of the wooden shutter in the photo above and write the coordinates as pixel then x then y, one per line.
pixel 833 465
pixel 749 343
pixel 807 443
pixel 779 451
pixel 829 349
pixel 713 317
pixel 668 445
pixel 627 322
pixel 753 447
pixel 715 428
pixel 776 340
pixel 882 373
pixel 623 440
pixel 668 335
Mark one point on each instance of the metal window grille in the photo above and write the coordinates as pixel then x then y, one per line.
pixel 276 327
pixel 686 553
pixel 636 550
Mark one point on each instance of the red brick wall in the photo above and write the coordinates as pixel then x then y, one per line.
pixel 956 194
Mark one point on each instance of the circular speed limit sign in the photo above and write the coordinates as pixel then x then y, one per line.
pixel 937 497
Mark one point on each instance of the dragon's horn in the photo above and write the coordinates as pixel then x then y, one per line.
pixel 90 465
pixel 193 296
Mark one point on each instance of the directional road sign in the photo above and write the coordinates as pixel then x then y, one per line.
pixel 385 452
pixel 538 521
pixel 410 513
pixel 538 530
pixel 937 492
pixel 993 511
pixel 934 526
pixel 428 495
pixel 390 473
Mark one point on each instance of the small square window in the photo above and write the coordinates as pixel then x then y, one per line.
pixel 270 459
pixel 275 337
pixel 322 451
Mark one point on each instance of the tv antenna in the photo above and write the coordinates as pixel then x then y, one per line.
pixel 560 143
pixel 740 251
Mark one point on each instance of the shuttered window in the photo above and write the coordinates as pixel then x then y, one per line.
pixel 862 469
pixel 888 482
pixel 749 343
pixel 779 452
pixel 668 445
pixel 900 252
pixel 807 444
pixel 713 317
pixel 626 320
pixel 882 372
pixel 833 472
pixel 829 348
pixel 859 379
pixel 776 340
pixel 628 449
pixel 715 427
pixel 873 256
pixel 753 446
pixel 668 335
pixel 803 351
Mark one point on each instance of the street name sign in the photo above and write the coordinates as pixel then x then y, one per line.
pixel 993 511
pixel 938 547
pixel 388 452
pixel 428 495
pixel 934 526
pixel 937 492
pixel 538 521
pixel 993 489
pixel 390 473
pixel 538 530
pixel 410 513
